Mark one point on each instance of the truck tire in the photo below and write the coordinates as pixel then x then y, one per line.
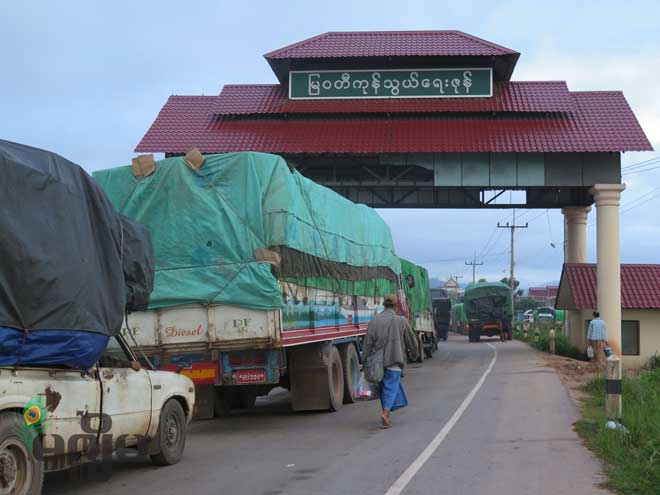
pixel 223 402
pixel 335 380
pixel 420 348
pixel 171 434
pixel 247 399
pixel 428 351
pixel 351 364
pixel 20 471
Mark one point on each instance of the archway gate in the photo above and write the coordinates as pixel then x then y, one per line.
pixel 428 119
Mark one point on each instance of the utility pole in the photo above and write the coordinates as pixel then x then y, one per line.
pixel 474 266
pixel 512 280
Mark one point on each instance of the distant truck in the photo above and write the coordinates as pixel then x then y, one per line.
pixel 459 323
pixel 442 308
pixel 488 309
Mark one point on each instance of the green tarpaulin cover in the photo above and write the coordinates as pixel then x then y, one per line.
pixel 416 285
pixel 487 299
pixel 207 224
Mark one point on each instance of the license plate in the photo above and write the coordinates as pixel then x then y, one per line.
pixel 250 376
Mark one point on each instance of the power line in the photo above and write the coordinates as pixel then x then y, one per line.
pixel 640 204
pixel 640 164
pixel 640 171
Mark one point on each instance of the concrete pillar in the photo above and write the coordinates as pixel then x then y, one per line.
pixel 575 251
pixel 607 197
pixel 575 232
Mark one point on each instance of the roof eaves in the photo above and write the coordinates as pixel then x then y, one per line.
pixel 281 51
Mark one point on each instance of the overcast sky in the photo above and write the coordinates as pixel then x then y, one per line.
pixel 87 78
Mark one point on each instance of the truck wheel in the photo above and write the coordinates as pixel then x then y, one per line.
pixel 351 364
pixel 223 402
pixel 247 399
pixel 171 434
pixel 420 348
pixel 20 471
pixel 335 380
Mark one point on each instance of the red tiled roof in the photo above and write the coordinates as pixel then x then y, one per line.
pixel 254 99
pixel 390 44
pixel 602 122
pixel 640 285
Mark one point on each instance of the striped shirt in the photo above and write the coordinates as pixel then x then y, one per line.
pixel 597 330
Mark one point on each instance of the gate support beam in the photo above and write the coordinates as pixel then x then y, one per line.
pixel 575 251
pixel 607 198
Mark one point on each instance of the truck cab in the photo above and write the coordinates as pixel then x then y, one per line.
pixel 54 418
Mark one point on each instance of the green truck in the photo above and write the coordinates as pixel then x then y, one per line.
pixel 488 308
pixel 415 281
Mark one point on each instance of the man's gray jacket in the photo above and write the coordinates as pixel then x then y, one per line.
pixel 386 330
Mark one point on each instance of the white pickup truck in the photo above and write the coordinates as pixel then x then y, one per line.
pixel 84 417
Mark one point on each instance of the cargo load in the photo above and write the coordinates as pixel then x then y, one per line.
pixel 70 265
pixel 226 233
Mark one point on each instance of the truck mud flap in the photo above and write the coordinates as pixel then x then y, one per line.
pixel 203 401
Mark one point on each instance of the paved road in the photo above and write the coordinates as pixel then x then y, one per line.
pixel 515 437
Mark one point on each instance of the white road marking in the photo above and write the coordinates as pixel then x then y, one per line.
pixel 400 484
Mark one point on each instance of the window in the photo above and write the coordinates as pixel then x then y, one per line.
pixel 115 355
pixel 630 338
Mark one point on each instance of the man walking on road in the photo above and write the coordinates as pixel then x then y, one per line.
pixel 597 338
pixel 386 331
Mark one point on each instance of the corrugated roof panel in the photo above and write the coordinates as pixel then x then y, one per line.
pixel 390 44
pixel 602 122
pixel 247 99
pixel 640 285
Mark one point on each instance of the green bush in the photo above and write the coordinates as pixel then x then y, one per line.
pixel 563 346
pixel 633 458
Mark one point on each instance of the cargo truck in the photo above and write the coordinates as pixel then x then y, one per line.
pixel 415 281
pixel 488 309
pixel 71 390
pixel 264 279
pixel 458 322
pixel 442 309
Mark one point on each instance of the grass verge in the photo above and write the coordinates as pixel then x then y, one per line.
pixel 563 346
pixel 632 460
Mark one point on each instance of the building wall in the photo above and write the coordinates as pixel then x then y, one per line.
pixel 649 333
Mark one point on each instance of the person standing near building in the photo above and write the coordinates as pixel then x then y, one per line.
pixel 386 331
pixel 597 338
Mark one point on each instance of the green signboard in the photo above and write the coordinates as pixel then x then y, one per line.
pixel 408 83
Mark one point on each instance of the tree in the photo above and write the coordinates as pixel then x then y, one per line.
pixel 525 303
pixel 482 280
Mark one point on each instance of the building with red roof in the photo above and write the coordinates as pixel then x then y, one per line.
pixel 545 296
pixel 640 306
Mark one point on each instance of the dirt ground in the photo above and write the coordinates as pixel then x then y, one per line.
pixel 573 373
